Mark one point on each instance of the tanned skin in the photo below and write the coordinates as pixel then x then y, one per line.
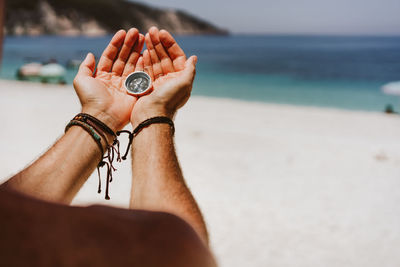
pixel 60 172
pixel 158 183
pixel 169 231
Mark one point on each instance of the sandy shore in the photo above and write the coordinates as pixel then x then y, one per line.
pixel 279 185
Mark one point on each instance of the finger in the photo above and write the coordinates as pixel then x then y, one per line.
pixel 107 58
pixel 139 64
pixel 166 62
pixel 148 67
pixel 175 52
pixel 130 39
pixel 87 66
pixel 134 57
pixel 155 61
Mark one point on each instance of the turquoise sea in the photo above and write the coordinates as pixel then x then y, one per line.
pixel 329 71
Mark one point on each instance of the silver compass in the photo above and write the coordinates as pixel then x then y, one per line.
pixel 138 83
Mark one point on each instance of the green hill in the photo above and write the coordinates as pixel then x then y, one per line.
pixel 96 17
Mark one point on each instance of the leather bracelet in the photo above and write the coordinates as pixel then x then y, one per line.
pixel 86 117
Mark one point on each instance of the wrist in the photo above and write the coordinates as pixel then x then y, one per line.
pixel 142 114
pixel 104 117
pixel 107 138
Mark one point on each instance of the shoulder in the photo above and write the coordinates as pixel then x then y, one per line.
pixel 162 239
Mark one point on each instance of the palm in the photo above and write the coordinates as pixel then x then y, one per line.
pixel 107 89
pixel 165 61
pixel 160 82
pixel 165 80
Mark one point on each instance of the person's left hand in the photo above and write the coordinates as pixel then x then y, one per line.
pixel 102 94
pixel 171 73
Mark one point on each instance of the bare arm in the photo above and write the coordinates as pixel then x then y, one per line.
pixel 157 182
pixel 60 172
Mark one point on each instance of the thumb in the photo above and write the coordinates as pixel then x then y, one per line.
pixel 87 66
pixel 191 61
pixel 190 65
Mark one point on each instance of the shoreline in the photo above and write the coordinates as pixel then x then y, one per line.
pixel 38 85
pixel 278 185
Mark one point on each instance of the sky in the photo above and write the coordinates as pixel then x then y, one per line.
pixel 360 17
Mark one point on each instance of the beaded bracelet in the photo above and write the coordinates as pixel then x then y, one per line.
pixel 88 129
pixel 102 134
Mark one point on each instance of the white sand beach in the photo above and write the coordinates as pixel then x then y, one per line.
pixel 278 185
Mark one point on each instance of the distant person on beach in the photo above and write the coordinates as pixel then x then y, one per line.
pixel 389 109
pixel 164 226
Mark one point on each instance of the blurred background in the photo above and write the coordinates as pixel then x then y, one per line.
pixel 291 141
pixel 322 53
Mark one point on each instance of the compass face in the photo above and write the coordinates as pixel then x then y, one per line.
pixel 138 83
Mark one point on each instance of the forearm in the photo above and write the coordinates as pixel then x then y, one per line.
pixel 59 173
pixel 158 183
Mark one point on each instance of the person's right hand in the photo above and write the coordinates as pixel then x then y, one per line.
pixel 171 73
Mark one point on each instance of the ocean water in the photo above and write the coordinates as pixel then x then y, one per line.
pixel 340 72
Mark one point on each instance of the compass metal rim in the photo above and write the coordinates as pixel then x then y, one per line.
pixel 132 76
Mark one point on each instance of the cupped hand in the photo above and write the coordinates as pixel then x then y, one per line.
pixel 171 73
pixel 102 92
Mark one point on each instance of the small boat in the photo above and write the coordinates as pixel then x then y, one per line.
pixel 43 72
pixel 52 70
pixel 29 70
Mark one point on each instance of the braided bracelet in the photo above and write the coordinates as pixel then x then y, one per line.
pixel 142 125
pixel 150 121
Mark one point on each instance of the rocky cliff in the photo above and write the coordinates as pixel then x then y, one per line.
pixel 96 17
